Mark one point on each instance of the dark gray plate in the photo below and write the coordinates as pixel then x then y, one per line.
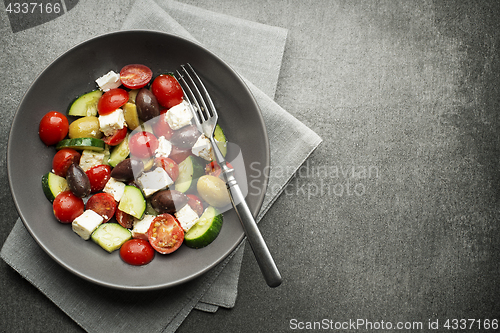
pixel 74 73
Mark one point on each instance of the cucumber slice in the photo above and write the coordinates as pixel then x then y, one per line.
pixel 221 140
pixel 189 171
pixel 82 143
pixel 85 105
pixel 119 153
pixel 111 236
pixel 133 202
pixel 52 185
pixel 206 230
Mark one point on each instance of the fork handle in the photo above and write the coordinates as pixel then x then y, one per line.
pixel 257 243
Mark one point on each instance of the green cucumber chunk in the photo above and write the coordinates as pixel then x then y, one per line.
pixel 111 236
pixel 133 202
pixel 220 137
pixel 119 152
pixel 52 185
pixel 82 143
pixel 85 105
pixel 189 171
pixel 206 230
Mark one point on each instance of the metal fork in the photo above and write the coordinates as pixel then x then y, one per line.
pixel 205 117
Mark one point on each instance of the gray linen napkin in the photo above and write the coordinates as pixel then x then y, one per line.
pixel 99 309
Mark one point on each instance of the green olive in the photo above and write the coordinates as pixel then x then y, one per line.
pixel 85 127
pixel 213 190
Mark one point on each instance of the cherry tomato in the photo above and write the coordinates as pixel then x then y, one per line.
pixel 53 128
pixel 124 219
pixel 67 207
pixel 165 234
pixel 143 144
pixel 137 252
pixel 135 76
pixel 111 100
pixel 116 138
pixel 195 203
pixel 98 177
pixel 103 204
pixel 167 90
pixel 162 128
pixel 169 166
pixel 63 159
pixel 179 154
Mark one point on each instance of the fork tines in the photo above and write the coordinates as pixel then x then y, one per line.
pixel 196 94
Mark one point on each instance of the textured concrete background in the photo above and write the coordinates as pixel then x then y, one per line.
pixel 395 216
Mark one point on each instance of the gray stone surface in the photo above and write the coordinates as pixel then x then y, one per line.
pixel 395 216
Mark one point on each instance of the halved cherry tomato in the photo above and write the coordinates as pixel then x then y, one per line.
pixel 167 90
pixel 137 252
pixel 124 219
pixel 169 165
pixel 143 144
pixel 161 127
pixel 195 203
pixel 103 204
pixel 67 207
pixel 63 159
pixel 98 177
pixel 135 76
pixel 111 100
pixel 53 128
pixel 116 138
pixel 165 234
pixel 178 154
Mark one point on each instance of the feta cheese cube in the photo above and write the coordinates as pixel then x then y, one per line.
pixel 164 147
pixel 90 158
pixel 203 148
pixel 85 224
pixel 179 115
pixel 154 181
pixel 141 227
pixel 115 188
pixel 109 81
pixel 110 123
pixel 187 217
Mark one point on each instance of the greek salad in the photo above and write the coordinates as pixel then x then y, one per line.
pixel 131 171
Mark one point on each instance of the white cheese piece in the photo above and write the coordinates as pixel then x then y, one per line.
pixel 203 148
pixel 109 81
pixel 90 158
pixel 164 147
pixel 110 123
pixel 115 188
pixel 85 224
pixel 179 115
pixel 141 227
pixel 154 181
pixel 187 217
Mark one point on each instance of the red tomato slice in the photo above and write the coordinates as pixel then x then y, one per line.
pixel 161 127
pixel 53 128
pixel 135 76
pixel 98 177
pixel 167 90
pixel 165 234
pixel 103 204
pixel 116 138
pixel 124 219
pixel 169 166
pixel 63 159
pixel 67 207
pixel 137 252
pixel 143 144
pixel 111 100
pixel 195 203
